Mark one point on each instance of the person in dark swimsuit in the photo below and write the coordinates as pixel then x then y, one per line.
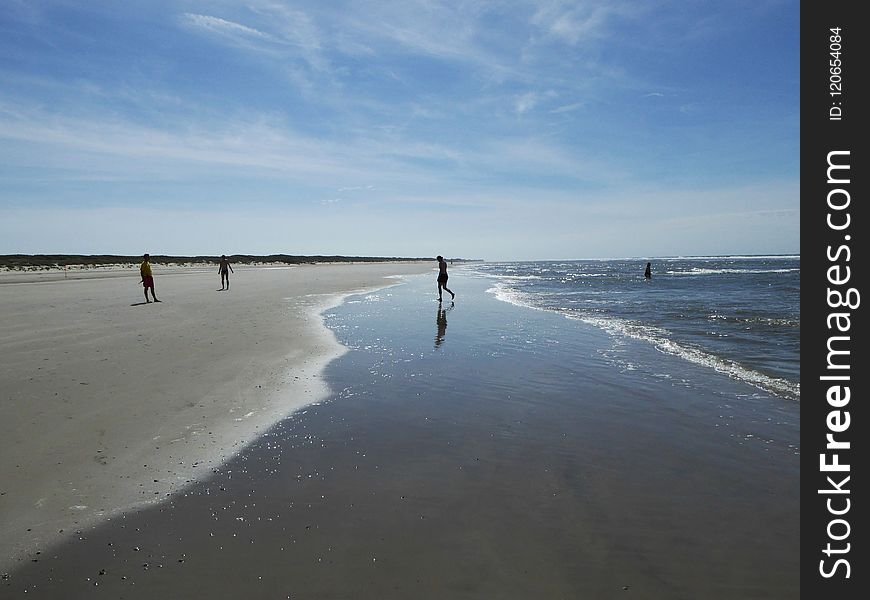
pixel 648 272
pixel 225 269
pixel 442 277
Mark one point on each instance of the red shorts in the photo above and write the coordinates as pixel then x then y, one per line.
pixel 148 281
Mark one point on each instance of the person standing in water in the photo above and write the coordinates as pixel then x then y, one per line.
pixel 225 269
pixel 442 277
pixel 648 273
pixel 147 277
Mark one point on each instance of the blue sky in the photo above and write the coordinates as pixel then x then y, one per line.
pixel 498 130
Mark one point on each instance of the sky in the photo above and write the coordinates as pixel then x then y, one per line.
pixel 509 130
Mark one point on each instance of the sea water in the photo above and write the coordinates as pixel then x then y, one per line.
pixel 738 315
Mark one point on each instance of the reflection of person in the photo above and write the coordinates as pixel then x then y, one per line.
pixel 441 321
pixel 648 272
pixel 442 277
pixel 147 278
pixel 225 269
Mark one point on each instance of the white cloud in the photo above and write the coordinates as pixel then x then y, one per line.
pixel 528 101
pixel 574 22
pixel 222 26
pixel 568 108
pixel 282 34
pixel 257 145
pixel 356 188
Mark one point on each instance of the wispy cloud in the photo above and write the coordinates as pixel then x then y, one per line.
pixel 243 144
pixel 574 23
pixel 568 108
pixel 530 100
pixel 288 38
pixel 356 188
pixel 438 29
pixel 526 102
pixel 222 26
pixel 257 145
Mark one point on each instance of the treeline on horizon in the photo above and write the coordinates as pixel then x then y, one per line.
pixel 14 261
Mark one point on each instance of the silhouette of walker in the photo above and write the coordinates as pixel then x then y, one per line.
pixel 225 269
pixel 648 272
pixel 442 277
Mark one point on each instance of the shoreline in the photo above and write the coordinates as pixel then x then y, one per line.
pixel 106 409
pixel 45 274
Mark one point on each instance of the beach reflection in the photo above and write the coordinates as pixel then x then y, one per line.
pixel 441 321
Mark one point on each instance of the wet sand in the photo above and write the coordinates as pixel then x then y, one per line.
pixel 108 403
pixel 485 451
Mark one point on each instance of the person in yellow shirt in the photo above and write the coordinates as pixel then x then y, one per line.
pixel 147 278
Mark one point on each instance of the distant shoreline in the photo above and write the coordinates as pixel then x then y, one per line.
pixel 33 262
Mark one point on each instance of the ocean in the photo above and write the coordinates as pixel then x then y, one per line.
pixel 739 315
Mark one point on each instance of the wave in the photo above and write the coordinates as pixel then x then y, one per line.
pixel 511 296
pixel 571 276
pixel 736 257
pixel 562 277
pixel 702 271
pixel 756 320
pixel 513 277
pixel 660 338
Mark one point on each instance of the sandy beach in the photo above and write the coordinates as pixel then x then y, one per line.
pixel 109 403
pixel 475 450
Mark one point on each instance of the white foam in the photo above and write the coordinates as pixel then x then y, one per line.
pixel 505 294
pixel 512 277
pixel 736 257
pixel 660 338
pixel 702 271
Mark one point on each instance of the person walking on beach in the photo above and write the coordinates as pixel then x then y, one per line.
pixel 648 273
pixel 147 277
pixel 442 277
pixel 225 269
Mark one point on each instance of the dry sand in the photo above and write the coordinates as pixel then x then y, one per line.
pixel 107 403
